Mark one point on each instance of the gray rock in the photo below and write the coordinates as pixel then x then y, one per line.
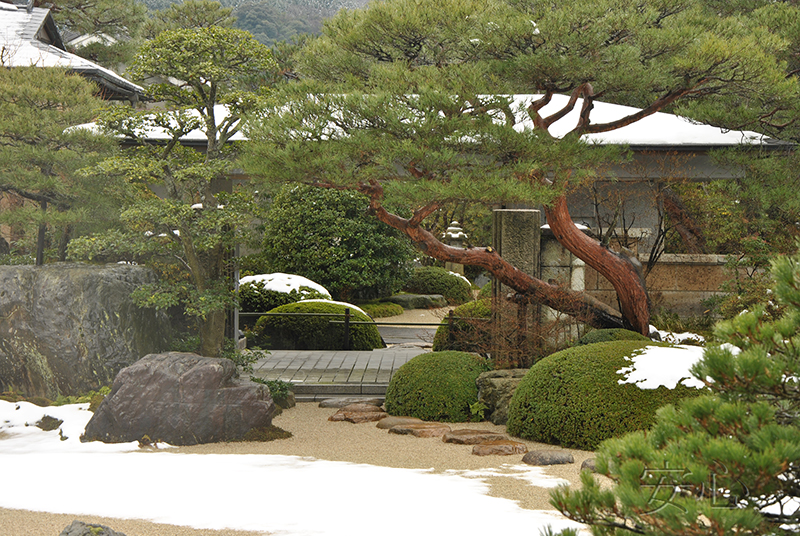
pixel 180 399
pixel 495 389
pixel 70 328
pixel 589 464
pixel 548 457
pixel 79 528
pixel 500 447
pixel 418 301
pixel 342 402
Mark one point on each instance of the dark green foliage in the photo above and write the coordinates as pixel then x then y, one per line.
pixel 435 280
pixel 266 433
pixel 437 386
pixel 279 389
pixel 315 332
pixel 573 398
pixel 327 236
pixel 48 423
pixel 381 309
pixel 606 335
pixel 485 292
pixel 469 334
pixel 733 456
pixel 254 298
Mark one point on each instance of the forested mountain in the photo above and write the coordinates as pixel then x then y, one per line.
pixel 271 21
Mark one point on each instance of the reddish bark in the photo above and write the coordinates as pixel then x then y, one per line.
pixel 617 269
pixel 576 304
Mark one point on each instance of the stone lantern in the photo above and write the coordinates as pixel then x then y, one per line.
pixel 454 236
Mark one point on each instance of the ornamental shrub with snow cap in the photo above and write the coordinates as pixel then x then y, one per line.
pixel 434 280
pixel 579 397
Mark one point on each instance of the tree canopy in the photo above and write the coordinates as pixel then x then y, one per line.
pixel 408 104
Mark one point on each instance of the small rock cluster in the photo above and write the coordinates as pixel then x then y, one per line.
pixel 79 528
pixel 485 443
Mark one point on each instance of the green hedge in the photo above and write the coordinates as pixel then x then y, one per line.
pixel 255 298
pixel 437 386
pixel 315 332
pixel 607 335
pixel 573 398
pixel 468 336
pixel 435 280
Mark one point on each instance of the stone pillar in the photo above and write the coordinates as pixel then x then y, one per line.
pixel 517 238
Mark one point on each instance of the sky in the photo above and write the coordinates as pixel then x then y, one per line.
pixel 272 493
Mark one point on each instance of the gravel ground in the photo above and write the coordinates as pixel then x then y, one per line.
pixel 315 436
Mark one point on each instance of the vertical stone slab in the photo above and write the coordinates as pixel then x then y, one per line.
pixel 517 238
pixel 516 235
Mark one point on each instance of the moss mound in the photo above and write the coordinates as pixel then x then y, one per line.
pixel 573 398
pixel 439 386
pixel 434 280
pixel 381 309
pixel 468 335
pixel 607 335
pixel 316 332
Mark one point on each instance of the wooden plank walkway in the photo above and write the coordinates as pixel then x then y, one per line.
pixel 320 374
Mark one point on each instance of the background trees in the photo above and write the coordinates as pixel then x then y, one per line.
pixel 404 108
pixel 198 216
pixel 46 200
pixel 328 237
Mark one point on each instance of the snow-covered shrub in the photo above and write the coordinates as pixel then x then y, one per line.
pixel 434 280
pixel 262 293
pixel 578 397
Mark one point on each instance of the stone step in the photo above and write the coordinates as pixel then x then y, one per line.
pixel 313 392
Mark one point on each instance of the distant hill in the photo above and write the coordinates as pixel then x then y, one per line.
pixel 271 21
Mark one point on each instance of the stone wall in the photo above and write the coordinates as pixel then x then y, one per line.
pixel 69 328
pixel 678 283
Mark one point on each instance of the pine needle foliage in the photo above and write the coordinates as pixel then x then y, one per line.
pixel 726 463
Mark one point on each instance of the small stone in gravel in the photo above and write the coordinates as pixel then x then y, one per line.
pixel 548 457
pixel 79 528
pixel 389 422
pixel 423 429
pixel 589 464
pixel 500 447
pixel 342 402
pixel 358 413
pixel 466 436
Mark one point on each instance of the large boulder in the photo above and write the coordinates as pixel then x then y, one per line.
pixel 181 399
pixel 70 328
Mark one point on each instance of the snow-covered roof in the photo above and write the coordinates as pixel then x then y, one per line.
pixel 656 130
pixel 30 38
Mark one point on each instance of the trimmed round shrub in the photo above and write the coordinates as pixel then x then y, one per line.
pixel 607 335
pixel 437 386
pixel 486 292
pixel 255 298
pixel 315 332
pixel 468 335
pixel 434 280
pixel 572 398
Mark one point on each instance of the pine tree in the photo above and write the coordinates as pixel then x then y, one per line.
pixel 727 463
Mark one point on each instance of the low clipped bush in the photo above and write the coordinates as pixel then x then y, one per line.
pixel 468 335
pixel 381 309
pixel 435 280
pixel 315 332
pixel 607 335
pixel 436 386
pixel 572 398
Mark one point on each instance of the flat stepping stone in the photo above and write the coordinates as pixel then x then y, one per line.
pixel 358 413
pixel 391 421
pixel 342 402
pixel 422 429
pixel 548 457
pixel 500 447
pixel 465 436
